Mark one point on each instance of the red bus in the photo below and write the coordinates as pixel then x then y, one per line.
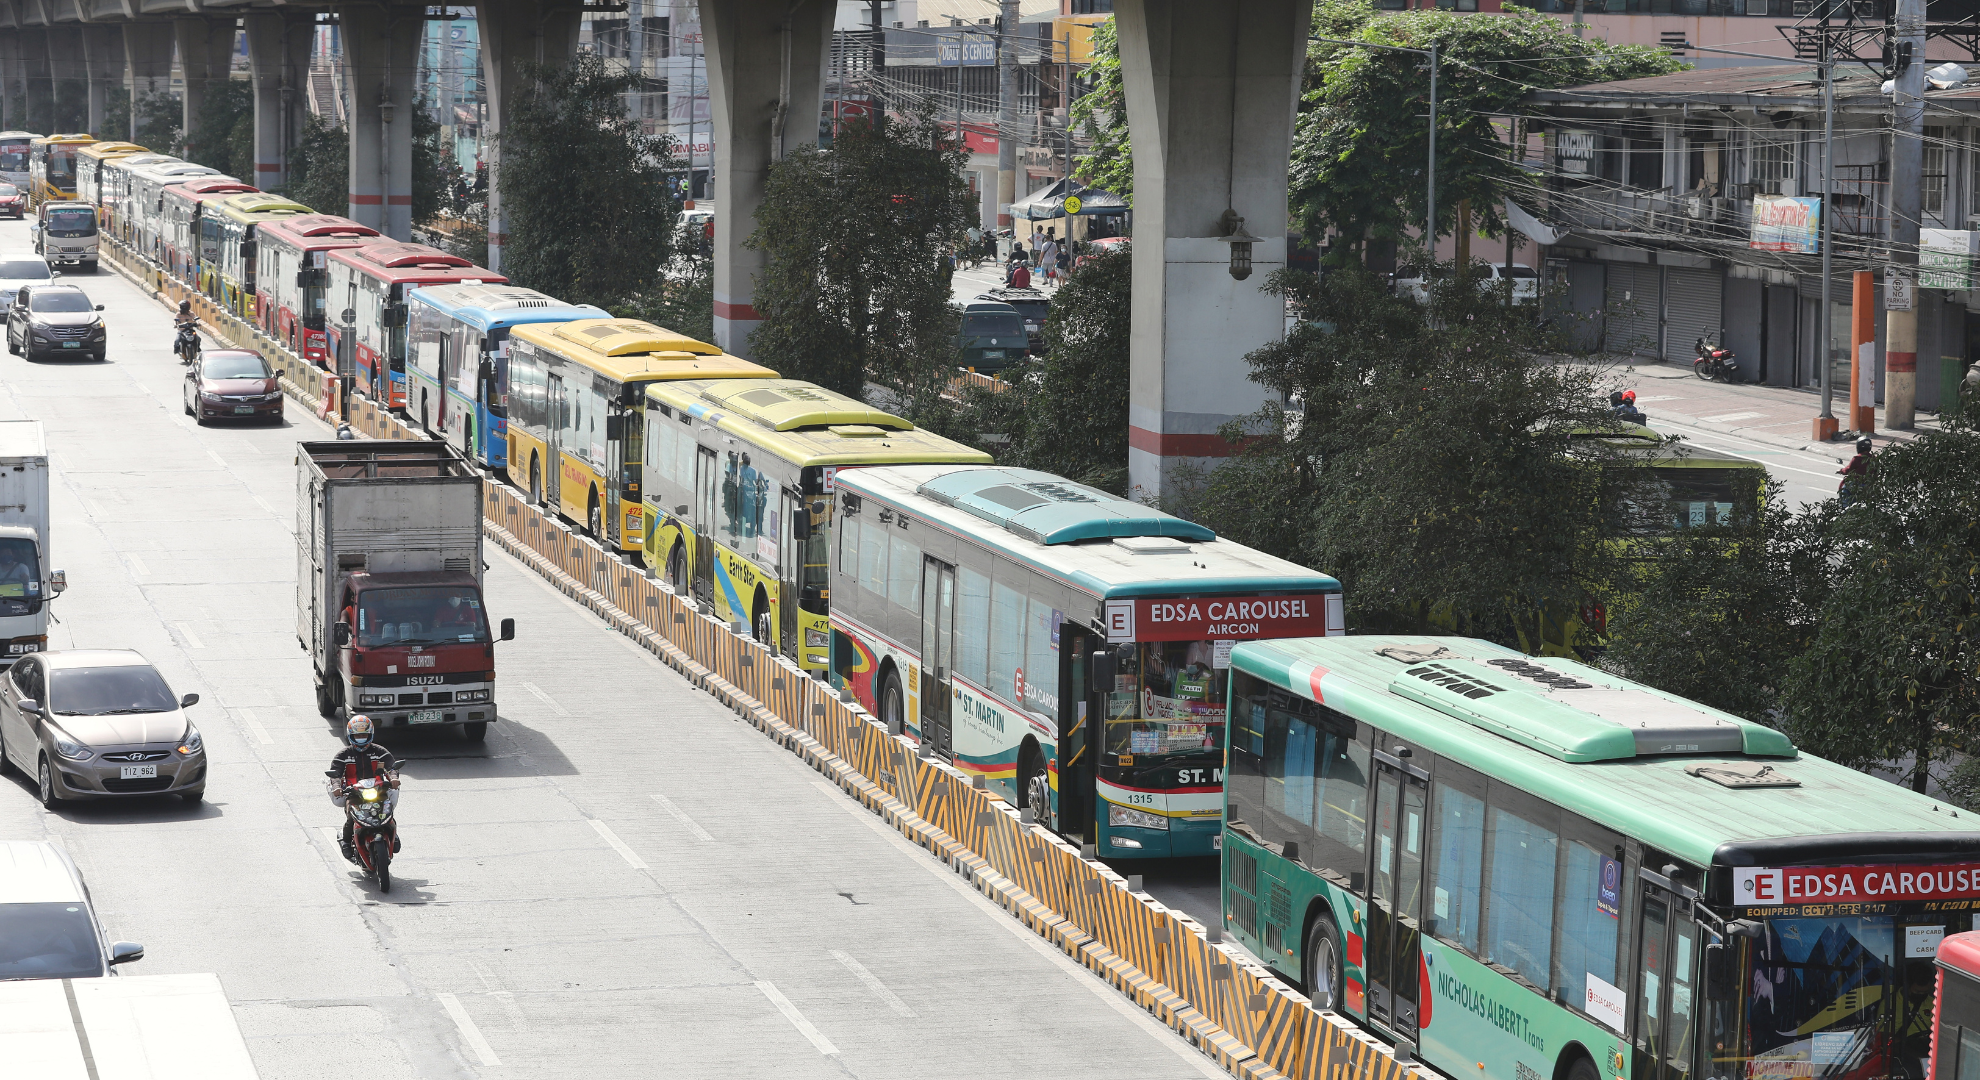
pixel 293 280
pixel 372 282
pixel 189 237
pixel 1956 1019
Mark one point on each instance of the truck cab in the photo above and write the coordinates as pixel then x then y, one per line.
pixel 416 648
pixel 23 591
pixel 65 233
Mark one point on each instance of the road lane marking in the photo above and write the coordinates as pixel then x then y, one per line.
pixel 468 1031
pixel 263 503
pixel 545 698
pixel 1728 418
pixel 618 845
pixel 797 1019
pixel 687 822
pixel 254 727
pixel 874 984
pixel 186 634
pixel 138 569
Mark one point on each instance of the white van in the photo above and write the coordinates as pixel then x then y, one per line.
pixel 1409 281
pixel 48 929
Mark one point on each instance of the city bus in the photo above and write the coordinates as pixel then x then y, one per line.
pixel 146 202
pixel 292 278
pixel 90 162
pixel 371 281
pixel 1956 1027
pixel 1064 644
pixel 771 448
pixel 52 168
pixel 116 181
pixel 457 365
pixel 15 146
pixel 577 414
pixel 238 224
pixel 1524 867
pixel 189 241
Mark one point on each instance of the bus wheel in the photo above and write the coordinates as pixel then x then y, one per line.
pixel 535 481
pixel 892 713
pixel 760 621
pixel 1323 963
pixel 1582 1069
pixel 677 570
pixel 594 519
pixel 1028 767
pixel 1038 796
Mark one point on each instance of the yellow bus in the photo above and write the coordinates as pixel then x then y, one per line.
pixel 739 484
pixel 52 168
pixel 235 226
pixel 577 411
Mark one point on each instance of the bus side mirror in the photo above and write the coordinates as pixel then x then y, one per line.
pixel 615 428
pixel 801 524
pixel 1101 670
pixel 340 635
pixel 394 316
pixel 508 629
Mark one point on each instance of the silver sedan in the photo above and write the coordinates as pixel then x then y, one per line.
pixel 98 724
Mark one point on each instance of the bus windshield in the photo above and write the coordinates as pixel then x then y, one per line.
pixel 62 166
pixel 1168 698
pixel 13 157
pixel 424 615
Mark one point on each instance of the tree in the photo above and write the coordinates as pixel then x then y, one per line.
pixel 1359 141
pixel 158 118
pixel 222 136
pixel 320 168
pixel 1436 467
pixel 853 288
pixel 681 299
pixel 585 198
pixel 1101 113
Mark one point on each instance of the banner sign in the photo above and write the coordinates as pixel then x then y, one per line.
pixel 1946 257
pixel 1214 618
pixel 1760 887
pixel 1784 223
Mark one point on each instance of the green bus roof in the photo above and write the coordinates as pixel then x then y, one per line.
pixel 1050 509
pixel 1625 755
pixel 806 424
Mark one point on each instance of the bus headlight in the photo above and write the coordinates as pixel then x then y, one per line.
pixel 817 639
pixel 1139 819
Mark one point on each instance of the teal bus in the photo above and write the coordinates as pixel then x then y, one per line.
pixel 1524 868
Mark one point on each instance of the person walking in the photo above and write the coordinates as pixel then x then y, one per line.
pixel 1048 257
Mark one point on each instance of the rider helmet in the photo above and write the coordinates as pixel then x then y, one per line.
pixel 1863 445
pixel 359 731
pixel 1629 397
pixel 185 307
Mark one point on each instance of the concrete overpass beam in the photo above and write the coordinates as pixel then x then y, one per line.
pixel 515 33
pixel 1211 90
pixel 10 63
pixel 381 49
pixel 766 62
pixel 103 56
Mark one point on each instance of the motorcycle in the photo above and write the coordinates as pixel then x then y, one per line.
pixel 186 345
pixel 1714 361
pixel 370 805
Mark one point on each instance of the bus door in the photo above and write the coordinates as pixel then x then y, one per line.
pixel 707 487
pixel 553 432
pixel 1395 896
pixel 938 640
pixel 1076 746
pixel 790 556
pixel 1668 953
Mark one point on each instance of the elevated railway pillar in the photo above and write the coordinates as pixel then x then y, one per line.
pixel 381 51
pixel 766 62
pixel 206 55
pixel 1211 90
pixel 103 62
pixel 10 65
pixel 37 90
pixel 148 51
pixel 278 59
pixel 515 33
pixel 65 63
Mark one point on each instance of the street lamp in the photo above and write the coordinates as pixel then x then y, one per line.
pixel 1430 195
pixel 1240 242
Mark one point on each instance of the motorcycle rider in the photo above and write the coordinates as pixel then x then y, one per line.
pixel 185 323
pixel 363 759
pixel 1857 470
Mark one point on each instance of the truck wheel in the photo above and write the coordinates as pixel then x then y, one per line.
pixel 475 731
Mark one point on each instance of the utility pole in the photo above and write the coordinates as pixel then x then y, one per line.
pixel 1907 168
pixel 1007 95
pixel 876 64
pixel 450 66
pixel 636 61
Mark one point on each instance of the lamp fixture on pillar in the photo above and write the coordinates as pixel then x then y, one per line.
pixel 1240 242
pixel 385 105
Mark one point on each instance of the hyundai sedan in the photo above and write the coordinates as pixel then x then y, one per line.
pixel 232 384
pixel 98 724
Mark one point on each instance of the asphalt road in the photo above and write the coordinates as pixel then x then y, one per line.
pixel 1805 476
pixel 623 881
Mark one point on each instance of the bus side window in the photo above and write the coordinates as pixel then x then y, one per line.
pixel 1459 867
pixel 1244 776
pixel 1589 921
pixel 1340 794
pixel 1519 888
pixel 973 610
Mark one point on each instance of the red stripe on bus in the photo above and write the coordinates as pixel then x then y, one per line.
pixel 1319 673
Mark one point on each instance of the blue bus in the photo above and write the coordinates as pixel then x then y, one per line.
pixel 458 365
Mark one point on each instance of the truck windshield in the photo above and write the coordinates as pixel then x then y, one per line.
pixel 20 578
pixel 72 223
pixel 423 615
pixel 48 941
pixel 108 691
pixel 1167 699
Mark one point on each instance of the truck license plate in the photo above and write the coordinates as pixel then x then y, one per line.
pixel 424 716
pixel 140 772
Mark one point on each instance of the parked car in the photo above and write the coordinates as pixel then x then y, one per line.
pixel 99 724
pixel 13 202
pixel 232 384
pixel 1092 249
pixel 1030 303
pixel 992 337
pixel 1409 281
pixel 48 927
pixel 19 271
pixel 54 320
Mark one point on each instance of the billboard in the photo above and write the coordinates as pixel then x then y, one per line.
pixel 1946 257
pixel 1786 223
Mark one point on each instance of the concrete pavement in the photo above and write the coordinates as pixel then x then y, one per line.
pixel 622 881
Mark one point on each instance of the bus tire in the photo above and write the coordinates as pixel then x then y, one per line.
pixel 1579 1067
pixel 677 569
pixel 594 518
pixel 1321 972
pixel 893 705
pixel 759 621
pixel 535 480
pixel 1031 769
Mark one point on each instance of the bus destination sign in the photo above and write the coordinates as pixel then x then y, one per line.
pixel 1217 617
pixel 1762 887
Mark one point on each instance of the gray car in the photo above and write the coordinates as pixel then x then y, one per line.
pixel 48 927
pixel 99 724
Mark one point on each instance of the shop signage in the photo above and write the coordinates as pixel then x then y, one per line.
pixel 1786 223
pixel 1946 257
pixel 1762 887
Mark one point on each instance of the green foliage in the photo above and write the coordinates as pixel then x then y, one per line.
pixel 320 168
pixel 1435 468
pixel 158 119
pixel 1101 115
pixel 852 289
pixel 682 299
pixel 1361 138
pixel 585 199
pixel 222 136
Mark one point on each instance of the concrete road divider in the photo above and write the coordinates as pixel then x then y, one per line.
pixel 1168 964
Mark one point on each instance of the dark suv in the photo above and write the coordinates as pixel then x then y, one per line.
pixel 54 320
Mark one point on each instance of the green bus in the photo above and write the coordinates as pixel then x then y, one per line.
pixel 1519 868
